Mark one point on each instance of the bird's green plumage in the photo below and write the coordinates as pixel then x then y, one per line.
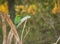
pixel 17 19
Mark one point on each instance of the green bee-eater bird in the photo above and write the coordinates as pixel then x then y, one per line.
pixel 17 20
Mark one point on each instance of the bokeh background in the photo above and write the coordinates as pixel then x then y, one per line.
pixel 44 23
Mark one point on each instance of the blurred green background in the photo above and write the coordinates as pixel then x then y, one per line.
pixel 44 25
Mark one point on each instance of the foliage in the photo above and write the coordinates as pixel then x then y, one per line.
pixel 4 8
pixel 45 27
pixel 31 9
pixel 54 10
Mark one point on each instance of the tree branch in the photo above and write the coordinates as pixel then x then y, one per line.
pixel 23 32
pixel 10 35
pixel 4 30
pixel 12 27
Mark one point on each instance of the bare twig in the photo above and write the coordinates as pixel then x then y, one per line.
pixel 26 34
pixel 12 27
pixel 10 35
pixel 9 38
pixel 57 40
pixel 23 32
pixel 4 30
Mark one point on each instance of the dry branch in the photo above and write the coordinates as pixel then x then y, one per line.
pixel 26 34
pixel 12 27
pixel 57 40
pixel 10 35
pixel 23 32
pixel 4 30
